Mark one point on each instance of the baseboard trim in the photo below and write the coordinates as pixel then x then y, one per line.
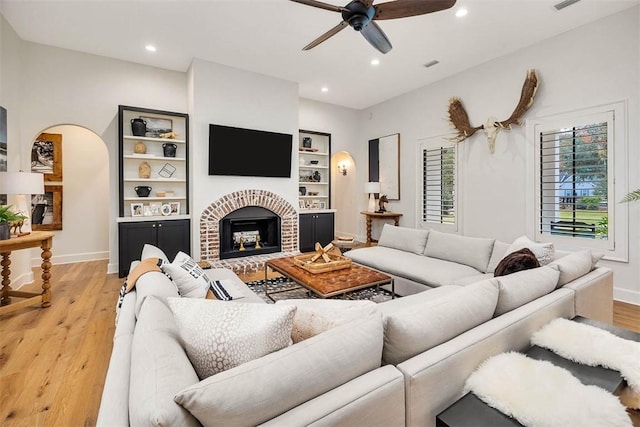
pixel 73 258
pixel 626 295
pixel 23 279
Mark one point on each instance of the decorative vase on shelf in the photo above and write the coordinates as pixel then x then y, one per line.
pixel 169 150
pixel 143 191
pixel 140 148
pixel 138 127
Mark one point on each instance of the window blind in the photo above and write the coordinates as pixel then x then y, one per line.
pixel 439 185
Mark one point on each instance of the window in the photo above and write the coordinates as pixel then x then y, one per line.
pixel 439 184
pixel 579 170
pixel 574 179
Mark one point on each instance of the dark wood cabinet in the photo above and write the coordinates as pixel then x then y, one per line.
pixel 171 236
pixel 315 227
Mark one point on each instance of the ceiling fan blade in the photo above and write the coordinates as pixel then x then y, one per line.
pixel 376 37
pixel 320 4
pixel 404 8
pixel 326 35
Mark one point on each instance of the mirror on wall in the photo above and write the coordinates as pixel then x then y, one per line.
pixel 384 164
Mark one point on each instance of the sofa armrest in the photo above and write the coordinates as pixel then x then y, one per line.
pixel 375 398
pixel 594 294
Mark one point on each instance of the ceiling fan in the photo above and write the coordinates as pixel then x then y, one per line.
pixel 362 14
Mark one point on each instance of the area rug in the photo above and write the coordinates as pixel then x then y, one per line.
pixel 278 284
pixel 538 393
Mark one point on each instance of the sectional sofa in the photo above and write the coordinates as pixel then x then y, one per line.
pixel 400 362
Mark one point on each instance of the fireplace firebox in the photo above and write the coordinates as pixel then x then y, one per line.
pixel 249 231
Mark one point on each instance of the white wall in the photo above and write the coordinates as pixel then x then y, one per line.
pixel 44 86
pixel 589 66
pixel 347 195
pixel 232 97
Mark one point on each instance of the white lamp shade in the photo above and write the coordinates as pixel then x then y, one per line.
pixel 372 187
pixel 21 183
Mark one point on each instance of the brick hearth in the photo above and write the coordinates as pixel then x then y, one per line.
pixel 210 228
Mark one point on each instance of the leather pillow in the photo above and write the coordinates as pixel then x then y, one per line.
pixel 519 260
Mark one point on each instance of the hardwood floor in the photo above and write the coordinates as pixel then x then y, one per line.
pixel 53 361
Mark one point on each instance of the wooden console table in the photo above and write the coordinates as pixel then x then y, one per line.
pixel 379 215
pixel 43 239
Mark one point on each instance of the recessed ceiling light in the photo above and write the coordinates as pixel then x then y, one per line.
pixel 150 48
pixel 461 12
pixel 375 61
pixel 325 89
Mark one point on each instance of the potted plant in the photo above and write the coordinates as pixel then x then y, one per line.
pixel 6 217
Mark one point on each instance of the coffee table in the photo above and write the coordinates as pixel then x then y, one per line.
pixel 329 284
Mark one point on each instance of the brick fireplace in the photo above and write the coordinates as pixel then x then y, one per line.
pixel 210 222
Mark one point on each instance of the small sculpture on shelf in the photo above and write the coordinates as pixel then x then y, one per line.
pixel 144 170
pixel 381 202
pixel 168 135
pixel 140 148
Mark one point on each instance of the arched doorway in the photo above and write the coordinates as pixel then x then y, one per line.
pixel 345 196
pixel 84 192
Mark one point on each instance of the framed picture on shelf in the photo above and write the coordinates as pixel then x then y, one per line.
pixel 137 209
pixel 46 209
pixel 155 208
pixel 156 126
pixel 302 204
pixel 175 208
pixel 322 205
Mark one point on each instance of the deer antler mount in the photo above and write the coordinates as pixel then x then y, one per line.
pixel 459 118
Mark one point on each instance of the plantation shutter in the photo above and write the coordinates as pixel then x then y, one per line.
pixel 574 181
pixel 439 185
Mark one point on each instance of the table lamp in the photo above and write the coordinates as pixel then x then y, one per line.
pixel 372 188
pixel 20 184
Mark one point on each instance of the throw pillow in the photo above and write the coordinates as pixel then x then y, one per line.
pixel 150 251
pixel 190 279
pixel 524 286
pixel 519 260
pixel 543 251
pixel 144 266
pixel 218 336
pixel 314 316
pixel 572 266
pixel 472 251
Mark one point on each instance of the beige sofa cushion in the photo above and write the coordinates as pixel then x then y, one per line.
pixel 472 251
pixel 159 369
pixel 572 266
pixel 524 286
pixel 499 252
pixel 405 239
pixel 257 391
pixel 433 317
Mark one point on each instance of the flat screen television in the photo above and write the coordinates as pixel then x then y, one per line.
pixel 248 152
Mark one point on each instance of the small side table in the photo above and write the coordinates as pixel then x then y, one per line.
pixel 42 239
pixel 379 215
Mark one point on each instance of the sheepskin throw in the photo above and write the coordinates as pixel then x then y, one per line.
pixel 539 394
pixel 592 346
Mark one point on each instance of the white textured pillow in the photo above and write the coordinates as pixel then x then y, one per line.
pixel 519 288
pixel 572 266
pixel 314 316
pixel 218 335
pixel 191 280
pixel 543 251
pixel 404 239
pixel 150 251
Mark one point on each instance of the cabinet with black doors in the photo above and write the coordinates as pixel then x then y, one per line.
pixel 171 236
pixel 315 227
